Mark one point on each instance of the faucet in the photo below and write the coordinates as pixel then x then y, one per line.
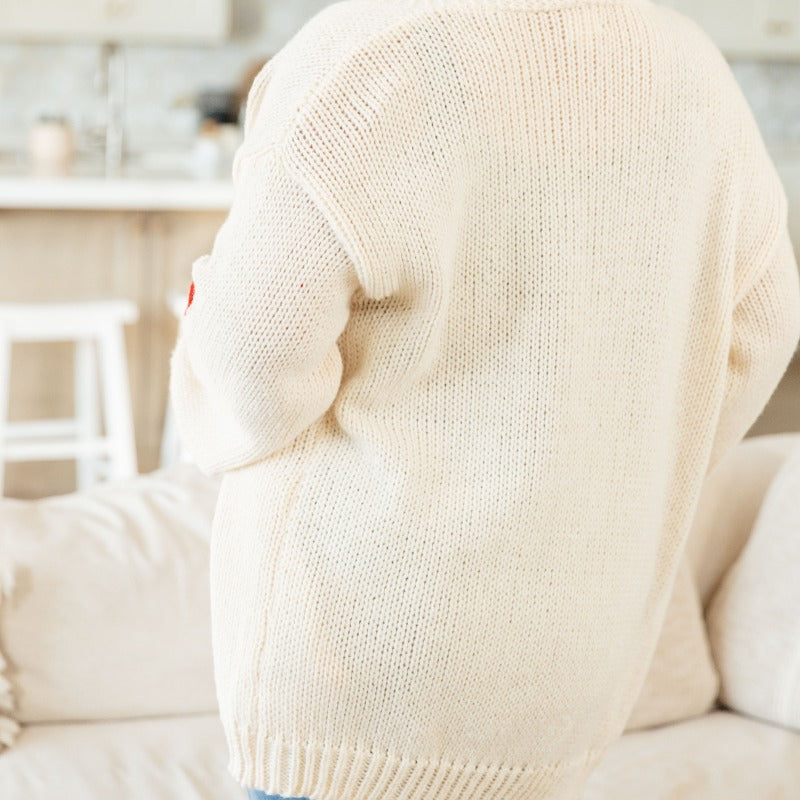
pixel 113 80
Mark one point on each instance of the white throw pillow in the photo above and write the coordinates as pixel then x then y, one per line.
pixel 104 601
pixel 754 617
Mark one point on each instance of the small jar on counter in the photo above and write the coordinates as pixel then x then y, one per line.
pixel 51 144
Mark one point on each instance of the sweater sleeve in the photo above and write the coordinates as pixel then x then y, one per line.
pixel 765 319
pixel 256 361
pixel 764 337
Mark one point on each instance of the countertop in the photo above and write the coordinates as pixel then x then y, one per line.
pixel 153 184
pixel 136 187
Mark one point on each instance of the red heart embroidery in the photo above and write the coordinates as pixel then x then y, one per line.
pixel 191 297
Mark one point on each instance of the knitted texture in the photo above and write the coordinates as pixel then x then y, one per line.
pixel 501 281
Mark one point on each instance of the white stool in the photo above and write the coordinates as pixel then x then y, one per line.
pixel 171 448
pixel 87 324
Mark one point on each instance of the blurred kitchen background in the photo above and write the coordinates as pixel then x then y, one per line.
pixel 118 123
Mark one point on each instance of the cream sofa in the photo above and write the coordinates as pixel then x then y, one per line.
pixel 106 689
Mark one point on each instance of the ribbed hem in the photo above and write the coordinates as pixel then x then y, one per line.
pixel 321 770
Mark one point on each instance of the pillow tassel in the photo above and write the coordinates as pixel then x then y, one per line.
pixel 9 727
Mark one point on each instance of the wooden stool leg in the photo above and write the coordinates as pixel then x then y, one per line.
pixel 117 402
pixel 87 415
pixel 5 392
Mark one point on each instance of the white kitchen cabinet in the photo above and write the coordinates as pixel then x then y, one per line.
pixel 763 29
pixel 116 20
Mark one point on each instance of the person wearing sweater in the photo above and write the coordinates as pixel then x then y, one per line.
pixel 501 282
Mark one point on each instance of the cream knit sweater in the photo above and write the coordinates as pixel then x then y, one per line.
pixel 502 280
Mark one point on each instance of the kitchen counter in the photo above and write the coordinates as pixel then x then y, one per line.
pixel 137 187
pixel 150 185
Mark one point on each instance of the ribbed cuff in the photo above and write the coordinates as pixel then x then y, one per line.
pixel 325 771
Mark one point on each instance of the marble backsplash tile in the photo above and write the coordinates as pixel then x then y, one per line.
pixel 55 78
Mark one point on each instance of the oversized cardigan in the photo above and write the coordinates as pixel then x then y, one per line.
pixel 502 280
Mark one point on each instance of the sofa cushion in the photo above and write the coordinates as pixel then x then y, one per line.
pixel 682 681
pixel 171 758
pixel 754 617
pixel 105 611
pixel 719 756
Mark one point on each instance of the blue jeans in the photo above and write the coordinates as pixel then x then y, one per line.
pixel 257 794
